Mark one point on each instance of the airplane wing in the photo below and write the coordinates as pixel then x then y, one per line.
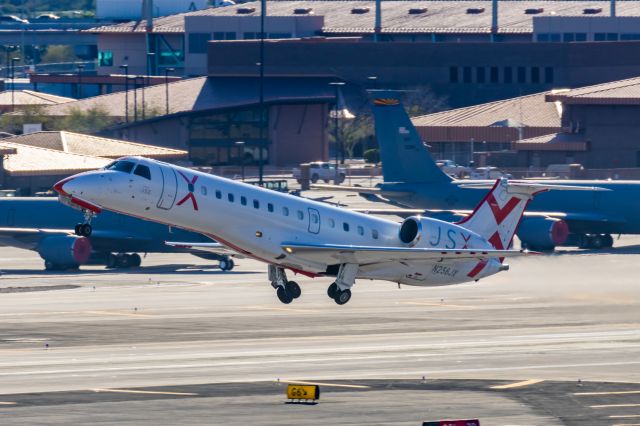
pixel 28 238
pixel 216 248
pixel 335 253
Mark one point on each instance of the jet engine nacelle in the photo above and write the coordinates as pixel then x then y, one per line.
pixel 543 233
pixel 64 251
pixel 424 232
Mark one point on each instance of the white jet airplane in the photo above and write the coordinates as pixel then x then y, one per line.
pixel 309 237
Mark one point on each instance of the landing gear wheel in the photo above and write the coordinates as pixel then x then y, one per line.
pixel 342 296
pixel 124 261
pixel 84 230
pixel 226 264
pixel 293 289
pixel 77 228
pixel 50 266
pixel 112 261
pixel 597 241
pixel 331 291
pixel 608 240
pixel 284 296
pixel 135 260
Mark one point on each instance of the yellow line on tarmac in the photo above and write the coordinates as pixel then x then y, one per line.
pixel 116 313
pixel 145 392
pixel 7 403
pixel 614 405
pixel 517 384
pixel 606 393
pixel 333 385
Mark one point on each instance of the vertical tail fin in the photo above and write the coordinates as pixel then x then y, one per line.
pixel 404 156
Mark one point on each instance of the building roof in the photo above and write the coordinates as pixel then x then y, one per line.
pixel 30 161
pixel 75 143
pixel 29 97
pixel 621 92
pixel 552 142
pixel 445 16
pixel 530 111
pixel 203 93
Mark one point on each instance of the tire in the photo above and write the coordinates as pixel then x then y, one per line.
pixel 284 296
pixel 327 180
pixel 85 230
pixel 341 178
pixel 135 260
pixel 122 261
pixel 597 242
pixel 77 228
pixel 293 289
pixel 342 296
pixel 608 240
pixel 331 291
pixel 50 266
pixel 112 261
pixel 226 264
pixel 232 265
pixel 314 178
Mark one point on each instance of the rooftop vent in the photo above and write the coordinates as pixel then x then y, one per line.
pixel 359 10
pixel 592 10
pixel 303 11
pixel 475 10
pixel 417 10
pixel 245 10
pixel 533 11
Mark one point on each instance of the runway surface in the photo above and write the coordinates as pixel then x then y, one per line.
pixel 76 344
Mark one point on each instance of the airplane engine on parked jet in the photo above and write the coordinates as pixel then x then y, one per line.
pixel 543 233
pixel 64 251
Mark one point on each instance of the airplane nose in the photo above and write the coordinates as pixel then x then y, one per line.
pixel 60 186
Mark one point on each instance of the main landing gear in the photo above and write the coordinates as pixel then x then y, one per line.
pixel 595 241
pixel 285 290
pixel 123 260
pixel 340 290
pixel 85 229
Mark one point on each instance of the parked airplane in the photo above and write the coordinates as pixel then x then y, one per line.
pixel 306 236
pixel 412 179
pixel 42 225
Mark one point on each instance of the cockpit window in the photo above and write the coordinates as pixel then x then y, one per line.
pixel 121 166
pixel 142 171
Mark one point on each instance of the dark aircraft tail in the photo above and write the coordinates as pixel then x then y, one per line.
pixel 404 157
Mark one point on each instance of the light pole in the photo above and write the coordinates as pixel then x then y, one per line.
pixel 80 68
pixel 166 86
pixel 241 145
pixel 263 14
pixel 13 82
pixel 135 98
pixel 338 147
pixel 125 67
pixel 150 56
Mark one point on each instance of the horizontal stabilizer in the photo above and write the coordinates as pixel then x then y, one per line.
pixel 529 186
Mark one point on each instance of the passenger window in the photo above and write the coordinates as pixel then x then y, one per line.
pixel 270 207
pixel 256 204
pixel 121 166
pixel 243 200
pixel 230 197
pixel 360 230
pixel 142 171
pixel 300 215
pixel 218 194
pixel 374 234
pixel 203 189
pixel 285 211
pixel 332 223
pixel 345 226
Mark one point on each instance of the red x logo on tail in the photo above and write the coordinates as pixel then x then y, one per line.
pixel 191 185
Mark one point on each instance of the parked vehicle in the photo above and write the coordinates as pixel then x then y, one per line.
pixel 322 170
pixel 450 167
pixel 488 172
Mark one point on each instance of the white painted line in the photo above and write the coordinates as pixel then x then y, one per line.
pixel 332 385
pixel 517 384
pixel 607 393
pixel 614 405
pixel 145 392
pixel 625 416
pixel 7 403
pixel 626 424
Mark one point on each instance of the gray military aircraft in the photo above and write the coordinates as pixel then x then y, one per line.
pixel 412 179
pixel 43 225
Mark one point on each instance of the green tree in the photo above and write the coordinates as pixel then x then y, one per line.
pixel 56 54
pixel 420 100
pixel 88 121
pixel 30 114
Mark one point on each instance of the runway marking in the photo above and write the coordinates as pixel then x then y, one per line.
pixel 274 308
pixel 626 424
pixel 607 393
pixel 614 405
pixel 7 403
pixel 333 385
pixel 517 384
pixel 145 392
pixel 124 314
pixel 440 305
pixel 625 416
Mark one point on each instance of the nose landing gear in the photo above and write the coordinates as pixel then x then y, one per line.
pixel 85 229
pixel 285 290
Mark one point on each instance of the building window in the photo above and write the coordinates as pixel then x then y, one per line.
pixel 508 75
pixel 453 75
pixel 230 197
pixel 548 75
pixel 218 195
pixel 581 36
pixel 535 75
pixel 251 36
pixel 568 37
pixel 285 211
pixel 345 226
pixel 270 208
pixel 599 37
pixel 494 76
pixel 612 36
pixel 279 35
pixel 480 75
pixel 522 75
pixel 256 204
pixel 243 200
pixel 105 58
pixel 466 74
pixel 198 42
pixel 542 37
pixel 629 36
